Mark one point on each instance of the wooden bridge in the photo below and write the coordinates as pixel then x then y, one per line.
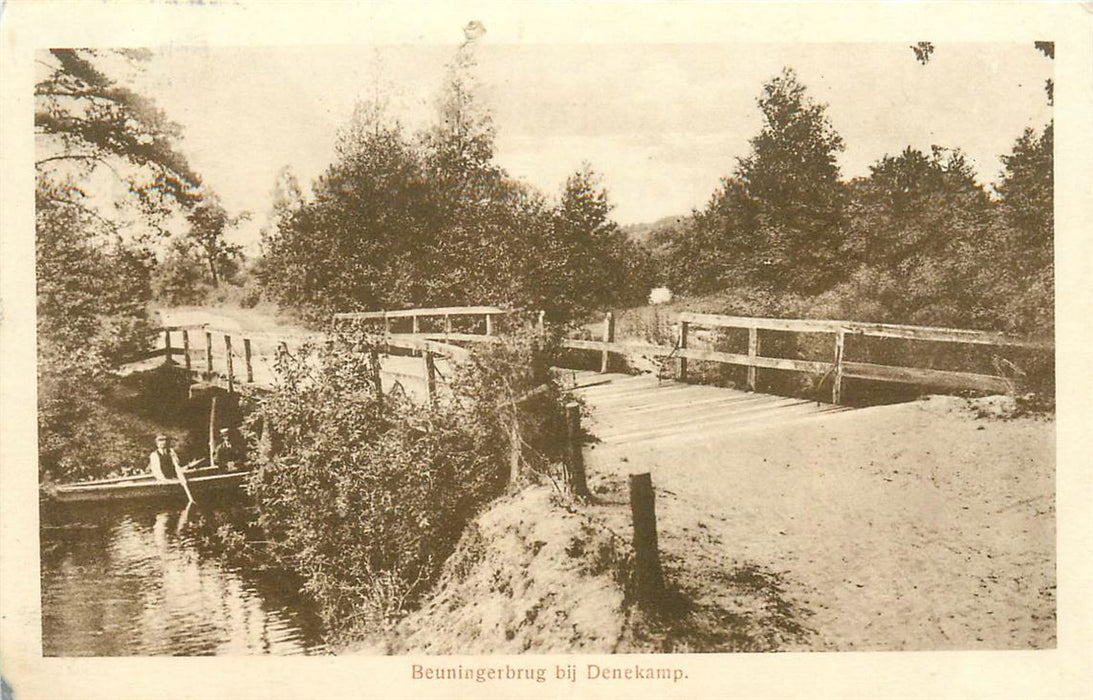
pixel 428 336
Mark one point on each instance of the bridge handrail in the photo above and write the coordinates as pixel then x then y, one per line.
pixel 882 330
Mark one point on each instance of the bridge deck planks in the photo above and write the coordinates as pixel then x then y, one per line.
pixel 629 410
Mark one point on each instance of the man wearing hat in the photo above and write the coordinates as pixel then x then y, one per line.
pixel 163 462
pixel 227 455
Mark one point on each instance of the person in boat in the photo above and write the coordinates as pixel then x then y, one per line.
pixel 227 455
pixel 163 462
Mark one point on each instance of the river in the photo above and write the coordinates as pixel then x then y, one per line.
pixel 145 583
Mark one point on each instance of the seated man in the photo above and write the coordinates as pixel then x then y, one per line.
pixel 227 455
pixel 163 462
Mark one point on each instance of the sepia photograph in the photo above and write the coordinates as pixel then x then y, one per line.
pixel 591 363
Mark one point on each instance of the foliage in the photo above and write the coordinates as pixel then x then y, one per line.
pixel 365 497
pixel 778 221
pixel 208 222
pixel 401 220
pixel 85 122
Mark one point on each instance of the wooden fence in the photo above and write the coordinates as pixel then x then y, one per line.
pixel 479 324
pixel 206 352
pixel 839 368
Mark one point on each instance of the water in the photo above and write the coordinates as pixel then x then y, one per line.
pixel 138 583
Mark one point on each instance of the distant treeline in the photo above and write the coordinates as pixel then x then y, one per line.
pixel 427 219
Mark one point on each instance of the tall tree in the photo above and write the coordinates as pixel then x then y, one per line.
pixel 791 181
pixel 208 223
pixel 777 223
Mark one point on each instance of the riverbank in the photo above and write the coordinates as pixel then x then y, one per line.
pixel 928 525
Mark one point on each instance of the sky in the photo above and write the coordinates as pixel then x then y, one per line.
pixel 661 123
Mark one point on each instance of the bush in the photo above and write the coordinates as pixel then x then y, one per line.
pixel 366 497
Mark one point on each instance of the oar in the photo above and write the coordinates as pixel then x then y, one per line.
pixel 182 480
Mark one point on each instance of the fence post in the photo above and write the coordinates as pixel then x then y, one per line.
pixel 209 354
pixel 648 576
pixel 447 324
pixel 247 357
pixel 837 380
pixel 608 337
pixel 166 347
pixel 377 379
pixel 417 324
pixel 753 352
pixel 430 375
pixel 186 347
pixel 575 474
pixel 489 324
pixel 542 323
pixel 683 346
pixel 212 432
pixel 386 333
pixel 516 451
pixel 231 368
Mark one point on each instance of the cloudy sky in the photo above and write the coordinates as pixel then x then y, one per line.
pixel 662 123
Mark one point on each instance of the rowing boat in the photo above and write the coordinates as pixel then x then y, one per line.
pixel 208 482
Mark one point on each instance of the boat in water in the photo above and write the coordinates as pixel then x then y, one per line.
pixel 204 483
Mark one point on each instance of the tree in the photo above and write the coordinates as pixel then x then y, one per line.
pixel 85 122
pixel 777 223
pixel 208 222
pixel 582 260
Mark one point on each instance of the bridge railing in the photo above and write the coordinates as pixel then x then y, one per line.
pixel 214 354
pixel 839 368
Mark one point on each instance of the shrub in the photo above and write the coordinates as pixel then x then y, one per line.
pixel 366 497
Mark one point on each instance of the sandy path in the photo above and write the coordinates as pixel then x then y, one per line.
pixel 915 526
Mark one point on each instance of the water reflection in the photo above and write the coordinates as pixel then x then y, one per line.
pixel 138 584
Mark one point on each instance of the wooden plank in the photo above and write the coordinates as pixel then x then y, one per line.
pixel 764 362
pixel 929 377
pixel 403 313
pixel 146 355
pixel 946 335
pixel 771 324
pixel 882 330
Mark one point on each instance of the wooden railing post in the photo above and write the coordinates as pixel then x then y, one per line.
pixel 648 576
pixel 837 376
pixel 516 451
pixel 186 347
pixel 377 377
pixel 608 337
pixel 447 324
pixel 417 324
pixel 212 432
pixel 542 323
pixel 247 357
pixel 575 473
pixel 430 376
pixel 166 347
pixel 231 368
pixel 683 346
pixel 489 324
pixel 753 352
pixel 209 354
